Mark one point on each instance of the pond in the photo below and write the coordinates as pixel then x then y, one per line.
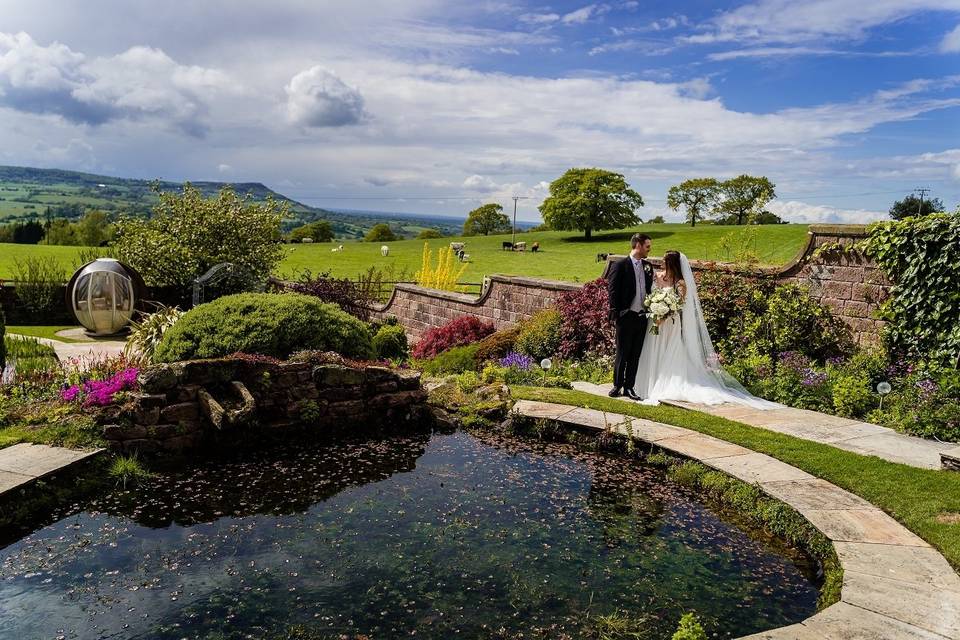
pixel 432 536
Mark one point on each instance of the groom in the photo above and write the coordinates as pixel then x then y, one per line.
pixel 629 282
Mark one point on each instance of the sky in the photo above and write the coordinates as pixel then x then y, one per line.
pixel 436 107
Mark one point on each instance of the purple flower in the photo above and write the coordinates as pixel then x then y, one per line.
pixel 518 360
pixel 795 361
pixel 811 378
pixel 835 361
pixel 927 387
pixel 70 393
pixel 101 392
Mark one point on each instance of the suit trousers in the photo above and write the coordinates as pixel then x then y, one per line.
pixel 631 330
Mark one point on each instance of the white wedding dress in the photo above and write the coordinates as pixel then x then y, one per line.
pixel 681 364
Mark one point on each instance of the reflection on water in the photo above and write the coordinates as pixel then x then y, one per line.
pixel 430 536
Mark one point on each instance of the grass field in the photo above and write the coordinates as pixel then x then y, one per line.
pixel 563 255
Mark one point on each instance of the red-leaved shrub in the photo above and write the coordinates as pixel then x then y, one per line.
pixel 585 327
pixel 458 332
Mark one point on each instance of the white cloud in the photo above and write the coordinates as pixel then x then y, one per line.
pixel 140 82
pixel 771 52
pixel 584 14
pixel 539 18
pixel 951 41
pixel 791 22
pixel 794 211
pixel 317 97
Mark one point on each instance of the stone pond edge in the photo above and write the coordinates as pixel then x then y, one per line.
pixel 895 585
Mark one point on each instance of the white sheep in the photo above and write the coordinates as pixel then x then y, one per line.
pixel 384 250
pixel 338 249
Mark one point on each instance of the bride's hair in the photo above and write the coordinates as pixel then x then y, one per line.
pixel 671 265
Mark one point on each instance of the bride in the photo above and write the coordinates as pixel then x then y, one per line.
pixel 679 362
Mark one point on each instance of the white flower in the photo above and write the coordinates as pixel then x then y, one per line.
pixel 659 309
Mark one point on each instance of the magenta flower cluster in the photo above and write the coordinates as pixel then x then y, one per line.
pixel 101 393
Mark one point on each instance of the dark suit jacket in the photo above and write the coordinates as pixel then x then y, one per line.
pixel 622 285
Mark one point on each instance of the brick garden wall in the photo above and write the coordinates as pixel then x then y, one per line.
pixel 848 283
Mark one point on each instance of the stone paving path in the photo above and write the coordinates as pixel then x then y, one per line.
pixel 895 585
pixel 22 464
pixel 842 433
pixel 81 353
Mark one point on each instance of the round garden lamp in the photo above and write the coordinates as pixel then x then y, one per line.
pixel 883 388
pixel 104 294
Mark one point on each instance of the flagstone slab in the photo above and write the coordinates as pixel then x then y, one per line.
pixel 654 432
pixel 758 468
pixel 702 447
pixel 21 464
pixel 10 481
pixel 861 525
pixel 914 565
pixel 793 632
pixel 592 419
pixel 813 493
pixel 890 446
pixel 843 621
pixel 928 607
pixel 549 410
pixel 36 459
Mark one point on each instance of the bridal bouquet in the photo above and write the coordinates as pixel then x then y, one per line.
pixel 661 304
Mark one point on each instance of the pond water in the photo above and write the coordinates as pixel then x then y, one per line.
pixel 430 536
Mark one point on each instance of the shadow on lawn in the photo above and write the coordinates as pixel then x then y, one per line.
pixel 617 236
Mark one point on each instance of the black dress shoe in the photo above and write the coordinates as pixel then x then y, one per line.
pixel 630 393
pixel 614 393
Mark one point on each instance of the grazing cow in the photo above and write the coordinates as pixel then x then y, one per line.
pixel 535 247
pixel 384 251
pixel 602 257
pixel 508 246
pixel 457 246
pixel 464 257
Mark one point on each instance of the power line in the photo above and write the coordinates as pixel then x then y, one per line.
pixel 922 191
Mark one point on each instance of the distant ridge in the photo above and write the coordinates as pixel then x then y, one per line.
pixel 26 193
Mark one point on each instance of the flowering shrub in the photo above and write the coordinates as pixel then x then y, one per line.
pixel 355 298
pixel 585 327
pixel 100 393
pixel 518 360
pixel 539 336
pixel 459 332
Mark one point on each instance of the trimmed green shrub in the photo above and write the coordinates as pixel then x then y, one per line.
pixel 390 342
pixel 497 345
pixel 264 323
pixel 852 396
pixel 455 360
pixel 540 335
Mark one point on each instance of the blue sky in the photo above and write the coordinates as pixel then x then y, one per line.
pixel 436 107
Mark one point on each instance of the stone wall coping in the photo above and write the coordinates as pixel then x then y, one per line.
pixel 895 585
pixel 477 301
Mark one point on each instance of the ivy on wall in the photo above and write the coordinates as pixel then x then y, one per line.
pixel 921 255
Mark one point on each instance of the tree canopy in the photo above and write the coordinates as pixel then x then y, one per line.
pixel 590 199
pixel 743 198
pixel 380 233
pixel 913 206
pixel 486 219
pixel 318 231
pixel 189 233
pixel 698 197
pixel 429 234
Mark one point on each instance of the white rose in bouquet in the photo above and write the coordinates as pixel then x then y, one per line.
pixel 662 304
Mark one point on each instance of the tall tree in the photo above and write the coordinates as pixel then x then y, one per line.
pixel 590 199
pixel 698 196
pixel 486 219
pixel 743 198
pixel 380 232
pixel 913 206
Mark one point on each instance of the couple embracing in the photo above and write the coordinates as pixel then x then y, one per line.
pixel 664 351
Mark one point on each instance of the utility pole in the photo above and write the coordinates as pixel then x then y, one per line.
pixel 922 191
pixel 515 198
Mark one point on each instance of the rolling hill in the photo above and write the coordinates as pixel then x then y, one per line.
pixel 28 193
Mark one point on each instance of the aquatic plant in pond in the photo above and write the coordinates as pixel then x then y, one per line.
pixel 474 535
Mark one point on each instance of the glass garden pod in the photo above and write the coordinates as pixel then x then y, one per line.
pixel 104 294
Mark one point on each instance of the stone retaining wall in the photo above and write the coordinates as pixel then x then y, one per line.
pixel 182 405
pixel 505 300
pixel 845 281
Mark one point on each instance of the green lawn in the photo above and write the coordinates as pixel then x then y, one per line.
pixel 913 496
pixel 564 255
pixel 42 332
